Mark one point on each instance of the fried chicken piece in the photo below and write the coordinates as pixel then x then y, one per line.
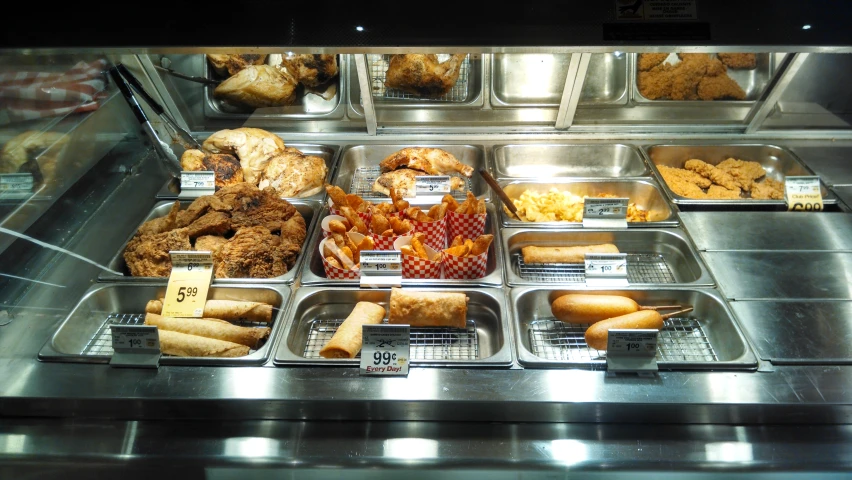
pixel 744 172
pixel 690 71
pixel 714 174
pixel 251 206
pixel 210 243
pixel 768 189
pixel 683 182
pixel 648 61
pixel 710 66
pixel 656 83
pixel 148 255
pixel 738 60
pixel 253 252
pixel 718 192
pixel 721 87
pixel 199 207
pixel 294 230
pixel 684 175
pixel 212 223
pixel 162 224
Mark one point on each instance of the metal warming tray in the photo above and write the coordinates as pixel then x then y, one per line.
pixel 707 338
pixel 777 161
pixel 553 160
pixel 317 312
pixel 326 152
pixel 314 274
pixel 751 81
pixel 161 209
pixel 84 336
pixel 654 256
pixel 644 192
pixel 537 80
pixel 358 168
pixel 308 106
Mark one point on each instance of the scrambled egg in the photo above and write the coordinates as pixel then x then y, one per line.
pixel 562 206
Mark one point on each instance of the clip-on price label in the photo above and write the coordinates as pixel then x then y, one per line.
pixel 196 184
pixel 381 268
pixel 385 350
pixel 430 189
pixel 632 350
pixel 135 346
pixel 16 186
pixel 606 270
pixel 189 281
pixel 803 194
pixel 605 212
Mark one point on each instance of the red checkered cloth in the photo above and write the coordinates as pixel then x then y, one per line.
pixel 461 268
pixel 466 225
pixel 29 95
pixel 436 232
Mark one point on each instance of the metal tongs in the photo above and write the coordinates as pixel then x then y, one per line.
pixel 165 66
pixel 121 75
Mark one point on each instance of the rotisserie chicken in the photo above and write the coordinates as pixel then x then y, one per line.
pixel 422 74
pixel 229 64
pixel 259 86
pixel 433 161
pixel 253 146
pixel 293 174
pixel 226 167
pixel 312 70
pixel 403 181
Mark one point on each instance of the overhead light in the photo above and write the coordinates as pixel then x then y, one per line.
pixel 361 29
pixel 806 27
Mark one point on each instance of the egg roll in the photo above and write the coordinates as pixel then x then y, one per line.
pixel 576 254
pixel 347 340
pixel 428 309
pixel 232 310
pixel 210 328
pixel 184 345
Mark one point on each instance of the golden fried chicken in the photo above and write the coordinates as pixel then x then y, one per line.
pixel 738 60
pixel 209 243
pixel 226 167
pixel 253 252
pixel 714 174
pixel 199 207
pixel 294 230
pixel 231 64
pixel 312 70
pixel 745 173
pixel 656 83
pixel 688 73
pixel 423 74
pixel 684 175
pixel 721 87
pixel 293 174
pixel 718 192
pixel 768 189
pixel 251 206
pixel 162 224
pixel 433 161
pixel 211 223
pixel 710 66
pixel 648 61
pixel 683 182
pixel 148 255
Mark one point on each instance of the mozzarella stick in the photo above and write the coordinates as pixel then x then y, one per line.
pixel 533 254
pixel 184 345
pixel 210 328
pixel 428 309
pixel 347 340
pixel 231 310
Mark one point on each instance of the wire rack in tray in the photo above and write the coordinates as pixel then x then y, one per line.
pixel 680 340
pixel 364 177
pixel 426 343
pixel 641 268
pixel 378 65
pixel 101 342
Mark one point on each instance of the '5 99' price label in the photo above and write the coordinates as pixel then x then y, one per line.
pixel 189 282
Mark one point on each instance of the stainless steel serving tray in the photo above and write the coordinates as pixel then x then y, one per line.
pixel 326 152
pixel 306 106
pixel 538 161
pixel 708 338
pixel 359 166
pixel 315 314
pixel 84 335
pixel 307 209
pixel 662 256
pixel 644 192
pixel 777 161
pixel 751 81
pixel 537 80
pixel 313 272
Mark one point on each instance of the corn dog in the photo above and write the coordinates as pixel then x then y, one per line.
pixel 533 254
pixel 582 308
pixel 598 334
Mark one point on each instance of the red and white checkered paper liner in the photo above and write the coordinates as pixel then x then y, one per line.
pixel 384 243
pixel 416 267
pixel 466 225
pixel 334 273
pixel 436 232
pixel 463 268
pixel 325 222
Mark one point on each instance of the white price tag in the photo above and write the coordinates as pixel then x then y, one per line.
pixel 631 350
pixel 189 282
pixel 803 194
pixel 196 184
pixel 135 346
pixel 16 186
pixel 381 268
pixel 431 184
pixel 605 212
pixel 606 269
pixel 385 350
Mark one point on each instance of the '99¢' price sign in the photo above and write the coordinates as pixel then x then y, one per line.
pixel 189 282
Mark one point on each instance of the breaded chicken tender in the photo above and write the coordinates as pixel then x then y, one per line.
pixel 648 61
pixel 657 83
pixel 714 174
pixel 768 189
pixel 718 192
pixel 715 88
pixel 684 175
pixel 739 60
pixel 683 182
pixel 745 173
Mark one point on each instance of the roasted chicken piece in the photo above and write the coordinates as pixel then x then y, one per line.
pixel 293 174
pixel 230 64
pixel 254 207
pixel 433 161
pixel 33 152
pixel 259 86
pixel 254 252
pixel 404 182
pixel 422 74
pixel 253 146
pixel 148 255
pixel 312 70
pixel 226 167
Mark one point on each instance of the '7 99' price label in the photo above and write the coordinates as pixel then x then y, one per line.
pixel 189 282
pixel 803 193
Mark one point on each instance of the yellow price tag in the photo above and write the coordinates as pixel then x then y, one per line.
pixel 189 281
pixel 803 194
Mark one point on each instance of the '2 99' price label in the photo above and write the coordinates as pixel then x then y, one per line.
pixel 189 282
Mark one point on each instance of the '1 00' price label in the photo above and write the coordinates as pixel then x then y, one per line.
pixel 189 282
pixel 382 262
pixel 803 194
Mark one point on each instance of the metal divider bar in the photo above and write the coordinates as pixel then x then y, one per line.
pixel 568 105
pixel 784 75
pixel 366 96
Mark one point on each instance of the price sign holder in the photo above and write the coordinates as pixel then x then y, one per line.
pixel 16 186
pixel 196 184
pixel 430 189
pixel 385 350
pixel 605 212
pixel 189 282
pixel 632 351
pixel 381 268
pixel 606 270
pixel 135 346
pixel 803 194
